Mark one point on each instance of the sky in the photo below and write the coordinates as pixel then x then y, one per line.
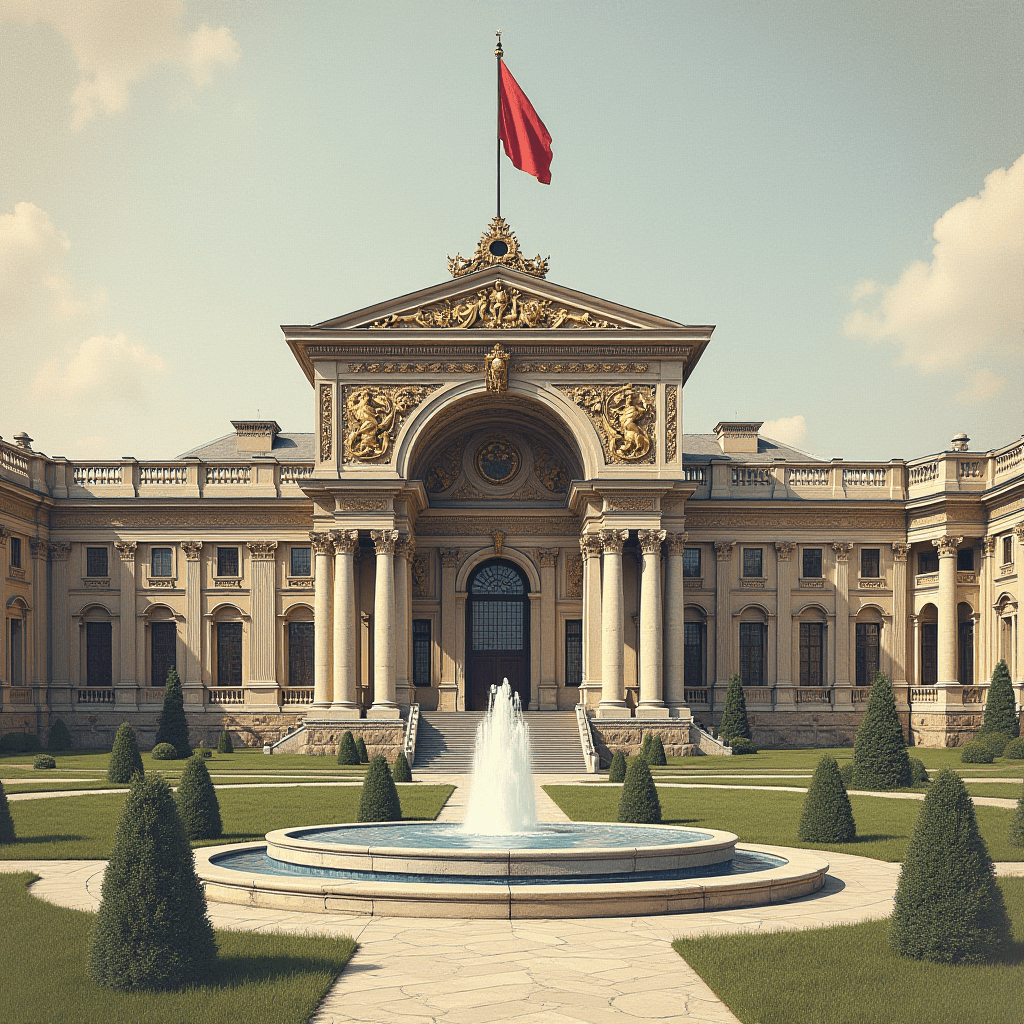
pixel 838 186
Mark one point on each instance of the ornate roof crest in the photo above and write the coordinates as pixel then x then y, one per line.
pixel 498 246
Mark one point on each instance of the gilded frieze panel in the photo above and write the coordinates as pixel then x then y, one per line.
pixel 671 422
pixel 373 416
pixel 624 417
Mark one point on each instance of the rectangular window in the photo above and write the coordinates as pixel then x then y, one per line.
pixel 163 640
pixel 965 560
pixel 161 562
pixel 300 653
pixel 927 561
pixel 497 626
pixel 966 652
pixel 96 562
pixel 227 561
pixel 812 653
pixel 17 653
pixel 691 563
pixel 869 563
pixel 1008 549
pixel 421 652
pixel 929 653
pixel 867 652
pixel 229 653
pixel 97 652
pixel 301 562
pixel 812 564
pixel 752 652
pixel 573 652
pixel 15 552
pixel 752 562
pixel 693 654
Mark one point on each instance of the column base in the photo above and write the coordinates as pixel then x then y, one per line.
pixel 391 711
pixel 679 711
pixel 343 712
pixel 617 710
pixel 652 710
pixel 448 697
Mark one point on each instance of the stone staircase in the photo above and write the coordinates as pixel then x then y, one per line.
pixel 444 742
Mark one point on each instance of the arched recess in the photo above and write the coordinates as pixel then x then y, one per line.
pixel 296 650
pixel 928 644
pixel 18 640
pixel 811 654
pixel 1006 611
pixel 869 643
pixel 161 647
pixel 966 648
pixel 695 650
pixel 99 636
pixel 227 646
pixel 752 643
pixel 519 558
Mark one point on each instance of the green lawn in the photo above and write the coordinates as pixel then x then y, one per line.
pixel 847 974
pixel 82 827
pixel 1006 790
pixel 883 826
pixel 260 978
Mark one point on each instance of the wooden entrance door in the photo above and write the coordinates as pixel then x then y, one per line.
pixel 497 632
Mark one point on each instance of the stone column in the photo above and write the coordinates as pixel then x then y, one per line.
pixel 345 674
pixel 723 619
pixel 60 691
pixel 405 551
pixel 262 684
pixel 915 653
pixel 675 634
pixel 547 697
pixel 36 671
pixel 898 637
pixel 947 667
pixel 1017 670
pixel 842 643
pixel 987 652
pixel 449 687
pixel 126 549
pixel 784 621
pixel 652 651
pixel 192 684
pixel 590 549
pixel 613 703
pixel 322 688
pixel 384 703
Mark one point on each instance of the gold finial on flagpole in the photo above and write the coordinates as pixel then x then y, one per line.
pixel 498 51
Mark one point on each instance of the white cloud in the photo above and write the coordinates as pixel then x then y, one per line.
pixel 100 369
pixel 966 305
pixel 117 43
pixel 790 430
pixel 984 386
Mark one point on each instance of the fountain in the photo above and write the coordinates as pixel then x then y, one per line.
pixel 500 863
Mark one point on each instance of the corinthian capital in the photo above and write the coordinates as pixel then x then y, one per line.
pixel 784 549
pixel 842 552
pixel 676 543
pixel 261 550
pixel 947 546
pixel 321 543
pixel 612 540
pixel 384 541
pixel 724 549
pixel 650 541
pixel 193 549
pixel 345 541
pixel 590 546
pixel 900 550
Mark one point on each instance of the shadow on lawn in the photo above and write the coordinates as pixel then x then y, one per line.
pixel 40 840
pixel 236 971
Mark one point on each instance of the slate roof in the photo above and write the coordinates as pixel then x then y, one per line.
pixel 287 448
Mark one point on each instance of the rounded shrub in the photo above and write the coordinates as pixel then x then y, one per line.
pixel 645 746
pixel 125 759
pixel 655 756
pixel 1000 704
pixel 164 752
pixel 60 738
pixel 617 771
pixel 6 821
pixel 224 744
pixel 734 716
pixel 401 772
pixel 151 931
pixel 19 743
pixel 846 773
pixel 948 906
pixel 918 773
pixel 43 761
pixel 741 745
pixel 997 742
pixel 347 752
pixel 205 753
pixel 976 752
pixel 1015 749
pixel 197 801
pixel 639 802
pixel 880 759
pixel 1016 823
pixel 364 757
pixel 827 816
pixel 173 726
pixel 379 798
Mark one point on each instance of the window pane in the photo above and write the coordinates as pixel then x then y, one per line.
pixel 300 653
pixel 497 626
pixel 812 643
pixel 164 643
pixel 812 564
pixel 573 652
pixel 693 653
pixel 691 563
pixel 927 561
pixel 95 561
pixel 752 562
pixel 966 650
pixel 97 653
pixel 869 563
pixel 1007 549
pixel 752 653
pixel 965 559
pixel 301 562
pixel 421 652
pixel 498 579
pixel 867 652
pixel 229 653
pixel 929 653
pixel 227 561
pixel 161 562
pixel 17 653
pixel 16 552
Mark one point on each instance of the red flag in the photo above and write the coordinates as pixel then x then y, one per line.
pixel 527 142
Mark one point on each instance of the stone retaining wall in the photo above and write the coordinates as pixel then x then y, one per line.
pixel 626 734
pixel 380 736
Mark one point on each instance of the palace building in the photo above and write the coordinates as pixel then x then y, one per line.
pixel 499 485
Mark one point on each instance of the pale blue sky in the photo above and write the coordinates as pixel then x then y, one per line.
pixel 743 164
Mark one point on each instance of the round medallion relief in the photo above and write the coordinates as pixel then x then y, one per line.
pixel 497 461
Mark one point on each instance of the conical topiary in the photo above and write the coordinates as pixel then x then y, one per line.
pixel 734 716
pixel 401 771
pixel 364 757
pixel 1001 705
pixel 617 771
pixel 125 759
pixel 379 799
pixel 6 821
pixel 948 907
pixel 827 815
pixel 1016 823
pixel 60 737
pixel 173 726
pixel 197 801
pixel 151 931
pixel 224 744
pixel 645 745
pixel 347 753
pixel 639 802
pixel 880 759
pixel 655 756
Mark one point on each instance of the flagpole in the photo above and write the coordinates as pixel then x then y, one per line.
pixel 498 54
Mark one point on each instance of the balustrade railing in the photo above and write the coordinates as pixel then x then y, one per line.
pixel 860 694
pixel 695 695
pixel 751 476
pixel 293 472
pixel 93 475
pixel 923 695
pixel 96 695
pixel 163 475
pixel 228 474
pixel 813 695
pixel 970 469
pixel 225 695
pixel 865 477
pixel 923 474
pixel 809 477
pixel 757 694
pixel 14 462
pixel 1008 461
pixel 291 695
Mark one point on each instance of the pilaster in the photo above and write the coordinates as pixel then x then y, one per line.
pixel 898 635
pixel 842 674
pixel 675 636
pixel 723 619
pixel 948 684
pixel 127 687
pixel 322 625
pixel 192 685
pixel 262 685
pixel 590 549
pixel 448 689
pixel 784 685
pixel 60 686
pixel 548 695
pixel 613 702
pixel 405 551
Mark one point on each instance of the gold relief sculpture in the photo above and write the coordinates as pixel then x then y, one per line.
pixel 413 367
pixel 421 576
pixel 496 363
pixel 499 541
pixel 445 470
pixel 326 422
pixel 624 416
pixel 549 470
pixel 498 461
pixel 670 422
pixel 373 416
pixel 497 246
pixel 574 575
pixel 582 367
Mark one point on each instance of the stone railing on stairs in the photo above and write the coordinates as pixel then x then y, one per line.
pixel 590 755
pixel 411 728
pixel 708 744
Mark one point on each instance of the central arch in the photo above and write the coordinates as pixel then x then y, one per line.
pixel 497 631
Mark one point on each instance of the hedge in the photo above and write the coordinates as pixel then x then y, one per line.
pixel 173 726
pixel 125 759
pixel 639 802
